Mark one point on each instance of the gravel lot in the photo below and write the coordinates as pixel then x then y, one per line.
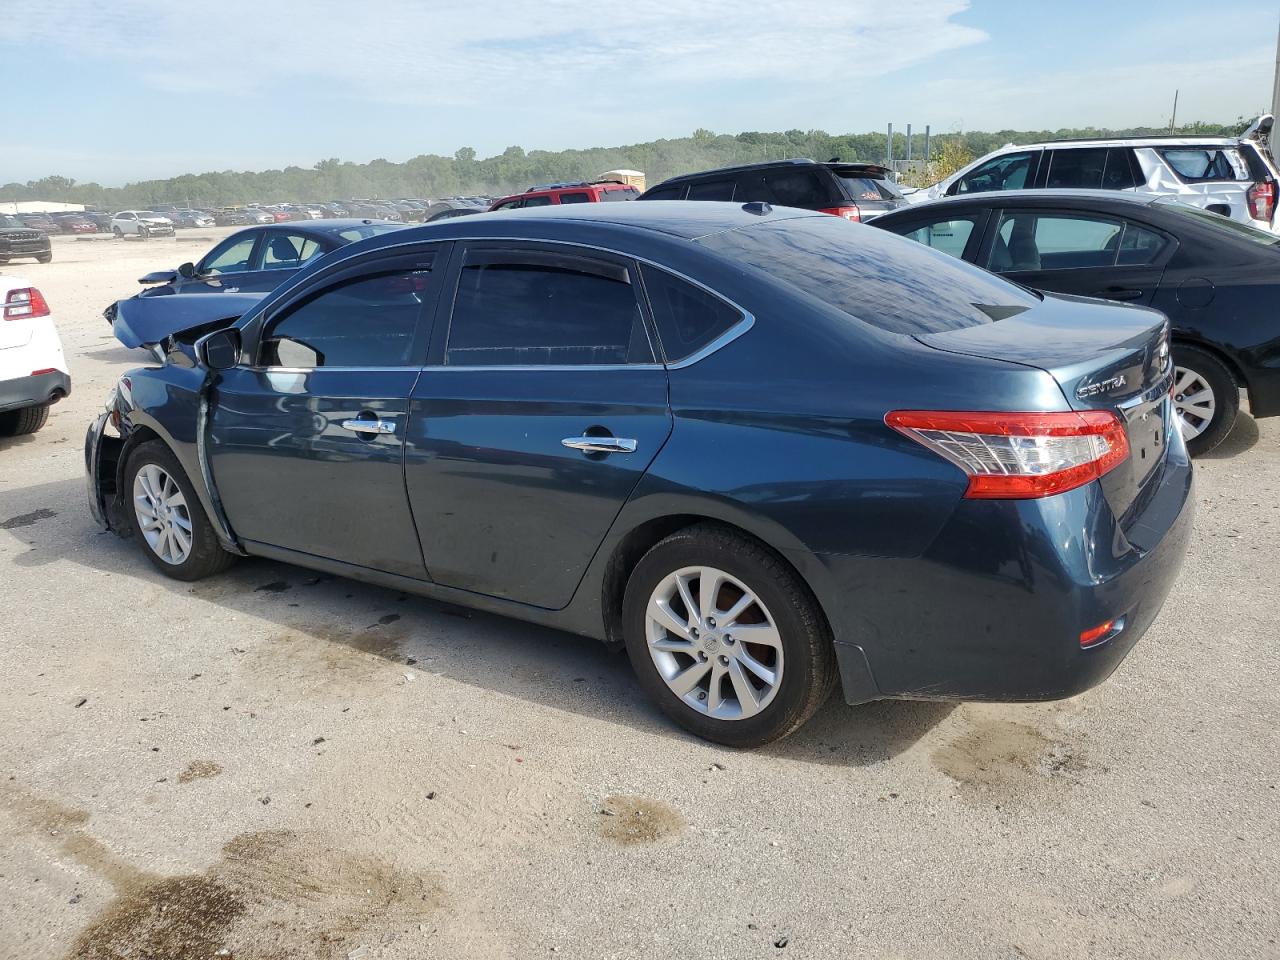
pixel 285 765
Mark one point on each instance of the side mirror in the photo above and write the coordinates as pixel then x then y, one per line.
pixel 160 276
pixel 219 350
pixel 187 271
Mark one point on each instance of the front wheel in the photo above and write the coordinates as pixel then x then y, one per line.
pixel 44 257
pixel 118 233
pixel 726 638
pixel 1205 397
pixel 167 518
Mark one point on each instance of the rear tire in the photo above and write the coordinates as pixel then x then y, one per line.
pixel 742 680
pixel 1206 422
pixel 16 423
pixel 177 537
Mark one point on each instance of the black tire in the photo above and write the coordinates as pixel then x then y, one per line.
pixel 206 556
pixel 1226 395
pixel 809 668
pixel 144 233
pixel 15 423
pixel 45 257
pixel 117 233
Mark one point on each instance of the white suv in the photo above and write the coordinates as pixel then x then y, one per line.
pixel 1236 177
pixel 142 223
pixel 33 370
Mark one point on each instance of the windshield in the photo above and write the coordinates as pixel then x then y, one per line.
pixel 1218 221
pixel 7 221
pixel 872 275
pixel 366 230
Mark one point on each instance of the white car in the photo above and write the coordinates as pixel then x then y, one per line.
pixel 1234 176
pixel 33 370
pixel 141 223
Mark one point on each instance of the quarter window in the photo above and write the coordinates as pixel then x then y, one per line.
pixel 1122 171
pixel 1030 241
pixel 688 317
pixel 369 321
pixel 948 236
pixel 536 308
pixel 232 257
pixel 1204 164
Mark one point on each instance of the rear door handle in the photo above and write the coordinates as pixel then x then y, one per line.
pixel 1121 293
pixel 369 426
pixel 600 444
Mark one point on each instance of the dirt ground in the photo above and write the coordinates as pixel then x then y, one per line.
pixel 272 764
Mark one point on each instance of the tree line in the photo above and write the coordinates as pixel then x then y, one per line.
pixel 514 170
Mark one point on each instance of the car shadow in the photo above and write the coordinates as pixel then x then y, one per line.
pixel 1243 436
pixel 313 611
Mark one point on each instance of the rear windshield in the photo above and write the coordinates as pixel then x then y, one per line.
pixel 1218 221
pixel 1204 164
pixel 625 193
pixel 352 234
pixel 872 275
pixel 866 188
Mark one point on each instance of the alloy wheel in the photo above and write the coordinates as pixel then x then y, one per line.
pixel 715 644
pixel 162 513
pixel 1194 402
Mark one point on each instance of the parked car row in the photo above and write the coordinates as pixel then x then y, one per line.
pixel 591 418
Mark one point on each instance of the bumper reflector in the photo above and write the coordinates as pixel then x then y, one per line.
pixel 1102 632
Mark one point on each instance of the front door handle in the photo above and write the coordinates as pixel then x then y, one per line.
pixel 369 426
pixel 1120 293
pixel 600 444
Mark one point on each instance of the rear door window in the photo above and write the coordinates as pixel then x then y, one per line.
pixel 1122 171
pixel 1059 241
pixel 1077 168
pixel 688 317
pixel 536 202
pixel 518 307
pixel 575 198
pixel 1206 164
pixel 711 190
pixel 288 251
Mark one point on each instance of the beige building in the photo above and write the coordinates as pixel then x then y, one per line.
pixel 633 178
pixel 39 206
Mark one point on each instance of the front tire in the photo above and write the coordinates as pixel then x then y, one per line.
pixel 167 518
pixel 16 423
pixel 1205 396
pixel 44 257
pixel 117 233
pixel 726 638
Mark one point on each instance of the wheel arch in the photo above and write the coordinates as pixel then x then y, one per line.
pixel 1228 361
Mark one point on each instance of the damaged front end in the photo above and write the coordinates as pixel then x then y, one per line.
pixel 102 461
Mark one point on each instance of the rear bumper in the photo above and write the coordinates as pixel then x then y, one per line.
pixel 34 391
pixel 995 608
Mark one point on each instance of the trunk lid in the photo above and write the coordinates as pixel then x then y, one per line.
pixel 1104 357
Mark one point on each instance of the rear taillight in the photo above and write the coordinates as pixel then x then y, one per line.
pixel 25 303
pixel 1016 456
pixel 847 212
pixel 1262 200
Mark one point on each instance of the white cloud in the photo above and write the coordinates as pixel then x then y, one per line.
pixel 480 55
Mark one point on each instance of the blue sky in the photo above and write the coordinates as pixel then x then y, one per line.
pixel 121 90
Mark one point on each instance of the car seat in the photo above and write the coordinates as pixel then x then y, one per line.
pixel 1022 245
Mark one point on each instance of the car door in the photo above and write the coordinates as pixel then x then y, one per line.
pixel 1084 253
pixel 307 437
pixel 227 267
pixel 541 409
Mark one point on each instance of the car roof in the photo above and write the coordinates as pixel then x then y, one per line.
pixel 1156 141
pixel 773 164
pixel 1040 198
pixel 683 219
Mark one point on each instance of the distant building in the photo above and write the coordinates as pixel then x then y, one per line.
pixel 39 206
pixel 632 178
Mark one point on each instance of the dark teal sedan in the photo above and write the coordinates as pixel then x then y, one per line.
pixel 767 451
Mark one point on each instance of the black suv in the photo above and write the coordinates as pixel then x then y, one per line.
pixel 19 240
pixel 855 191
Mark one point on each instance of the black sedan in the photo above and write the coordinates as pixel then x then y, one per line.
pixel 259 259
pixel 1215 278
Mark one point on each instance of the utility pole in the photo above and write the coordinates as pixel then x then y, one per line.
pixel 889 150
pixel 908 145
pixel 1173 117
pixel 927 128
